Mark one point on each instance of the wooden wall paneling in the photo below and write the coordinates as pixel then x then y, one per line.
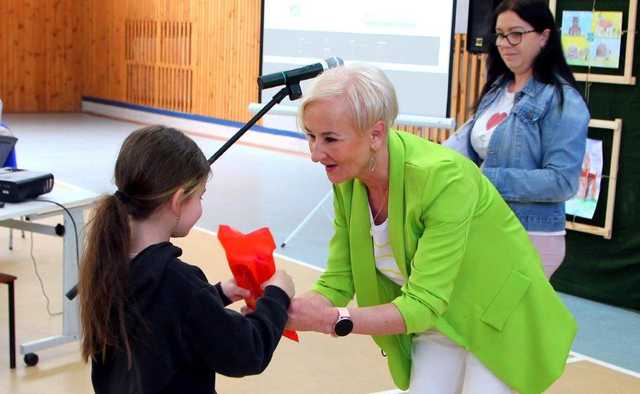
pixel 217 67
pixel 253 23
pixel 17 54
pixel 12 97
pixel 66 41
pixel 86 22
pixel 464 64
pixel 208 45
pixel 238 51
pixel 100 66
pixel 197 19
pixel 5 42
pixel 115 56
pixel 26 29
pixel 151 85
pixel 146 42
pixel 172 87
pixel 82 42
pixel 225 57
pixel 169 42
pixel 140 83
pixel 187 60
pixel 173 41
pixel 7 78
pixel 19 49
pixel 161 97
pixel 89 25
pixel 52 49
pixel 76 39
pixel 175 65
pixel 473 82
pixel 154 42
pixel 212 43
pixel 71 48
pixel 5 39
pixel 455 81
pixel 483 72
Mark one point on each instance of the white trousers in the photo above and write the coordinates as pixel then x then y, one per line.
pixel 439 366
pixel 551 249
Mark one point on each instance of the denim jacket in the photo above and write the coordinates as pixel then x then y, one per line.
pixel 535 155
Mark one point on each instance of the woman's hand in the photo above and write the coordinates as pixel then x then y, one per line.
pixel 312 313
pixel 234 292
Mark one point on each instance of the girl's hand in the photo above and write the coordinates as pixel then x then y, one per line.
pixel 234 292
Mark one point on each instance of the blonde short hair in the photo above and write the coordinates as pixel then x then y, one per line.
pixel 369 94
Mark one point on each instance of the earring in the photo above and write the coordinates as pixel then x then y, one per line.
pixel 372 161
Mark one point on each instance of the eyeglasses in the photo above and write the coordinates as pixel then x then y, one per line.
pixel 514 38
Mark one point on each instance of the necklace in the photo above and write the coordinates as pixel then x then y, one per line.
pixel 386 195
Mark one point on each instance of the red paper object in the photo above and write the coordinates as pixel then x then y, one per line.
pixel 250 258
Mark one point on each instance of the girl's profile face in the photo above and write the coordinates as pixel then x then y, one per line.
pixel 191 212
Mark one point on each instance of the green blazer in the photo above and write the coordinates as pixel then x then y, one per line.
pixel 471 271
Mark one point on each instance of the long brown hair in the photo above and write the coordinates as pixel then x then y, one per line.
pixel 154 162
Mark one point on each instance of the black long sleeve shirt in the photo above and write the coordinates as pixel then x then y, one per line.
pixel 182 334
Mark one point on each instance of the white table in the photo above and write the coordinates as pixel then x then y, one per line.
pixel 19 216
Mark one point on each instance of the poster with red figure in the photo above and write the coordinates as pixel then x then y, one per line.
pixel 584 203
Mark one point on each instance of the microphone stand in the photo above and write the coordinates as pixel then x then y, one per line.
pixel 292 90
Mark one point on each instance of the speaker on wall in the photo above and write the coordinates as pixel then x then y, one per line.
pixel 479 24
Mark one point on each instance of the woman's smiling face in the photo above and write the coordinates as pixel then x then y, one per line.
pixel 334 140
pixel 519 58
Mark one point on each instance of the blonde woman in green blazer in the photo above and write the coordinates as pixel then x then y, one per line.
pixel 460 289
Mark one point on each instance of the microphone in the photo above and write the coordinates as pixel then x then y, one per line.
pixel 298 74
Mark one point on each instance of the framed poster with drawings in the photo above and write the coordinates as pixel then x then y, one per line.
pixel 593 34
pixel 591 210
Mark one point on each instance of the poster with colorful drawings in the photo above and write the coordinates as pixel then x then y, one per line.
pixel 584 203
pixel 592 38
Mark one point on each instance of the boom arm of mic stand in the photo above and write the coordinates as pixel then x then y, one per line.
pixel 293 91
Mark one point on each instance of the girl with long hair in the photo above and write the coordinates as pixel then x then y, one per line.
pixel 152 323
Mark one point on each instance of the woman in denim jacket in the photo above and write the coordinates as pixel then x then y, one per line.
pixel 528 133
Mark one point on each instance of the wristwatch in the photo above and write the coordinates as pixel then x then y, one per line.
pixel 344 324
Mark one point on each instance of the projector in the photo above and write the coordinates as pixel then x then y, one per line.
pixel 18 185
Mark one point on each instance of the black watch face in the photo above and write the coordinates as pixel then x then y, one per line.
pixel 344 327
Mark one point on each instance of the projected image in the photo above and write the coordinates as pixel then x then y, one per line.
pixel 409 39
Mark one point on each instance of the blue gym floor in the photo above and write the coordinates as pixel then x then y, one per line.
pixel 254 187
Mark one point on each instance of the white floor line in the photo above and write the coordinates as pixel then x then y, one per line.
pixel 299 262
pixel 608 365
pixel 574 357
pixel 276 255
